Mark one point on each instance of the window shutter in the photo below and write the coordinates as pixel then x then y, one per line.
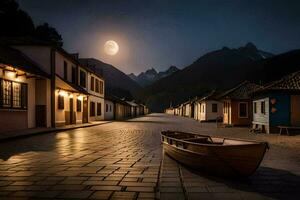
pixel 61 102
pixel 24 95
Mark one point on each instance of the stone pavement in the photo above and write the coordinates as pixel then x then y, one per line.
pixel 35 131
pixel 124 160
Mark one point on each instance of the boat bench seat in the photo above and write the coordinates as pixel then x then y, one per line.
pixel 204 140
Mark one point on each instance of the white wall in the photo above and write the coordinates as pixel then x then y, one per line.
pixel 59 65
pixel 96 100
pixel 109 115
pixel 30 97
pixel 258 117
pixel 213 115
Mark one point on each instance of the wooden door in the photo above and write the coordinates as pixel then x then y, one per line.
pixel 85 111
pixel 72 117
pixel 295 110
pixel 40 115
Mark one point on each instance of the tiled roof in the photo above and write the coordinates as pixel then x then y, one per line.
pixel 17 59
pixel 289 82
pixel 241 91
pixel 212 95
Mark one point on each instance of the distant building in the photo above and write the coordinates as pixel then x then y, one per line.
pixel 277 104
pixel 208 108
pixel 237 104
pixel 109 113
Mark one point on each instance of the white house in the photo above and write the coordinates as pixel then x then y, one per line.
pixel 207 108
pixel 109 113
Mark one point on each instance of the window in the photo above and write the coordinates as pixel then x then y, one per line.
pixel 254 107
pixel 92 109
pixel 74 74
pixel 99 110
pixel 61 102
pixel 214 107
pixel 65 70
pixel 92 83
pixel 13 94
pixel 203 109
pixel 106 108
pixel 262 107
pixel 97 86
pixel 82 79
pixel 78 105
pixel 101 87
pixel 243 110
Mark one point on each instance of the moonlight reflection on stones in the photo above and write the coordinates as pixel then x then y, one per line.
pixel 111 47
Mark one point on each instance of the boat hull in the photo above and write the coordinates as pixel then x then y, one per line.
pixel 231 160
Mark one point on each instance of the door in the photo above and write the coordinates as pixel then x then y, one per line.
pixel 72 116
pixel 85 111
pixel 192 110
pixel 40 115
pixel 295 110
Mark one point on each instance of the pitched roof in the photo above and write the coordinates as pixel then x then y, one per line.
pixel 289 82
pixel 115 99
pixel 241 91
pixel 17 59
pixel 132 103
pixel 212 95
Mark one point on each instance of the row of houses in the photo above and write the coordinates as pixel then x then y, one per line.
pixel 41 85
pixel 265 108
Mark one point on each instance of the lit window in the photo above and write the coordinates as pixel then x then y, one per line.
pixel 13 94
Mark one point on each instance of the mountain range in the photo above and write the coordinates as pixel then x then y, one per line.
pixel 116 82
pixel 151 75
pixel 220 69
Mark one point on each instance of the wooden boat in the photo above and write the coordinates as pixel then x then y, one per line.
pixel 220 156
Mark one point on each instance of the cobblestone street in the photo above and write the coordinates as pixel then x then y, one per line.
pixel 125 160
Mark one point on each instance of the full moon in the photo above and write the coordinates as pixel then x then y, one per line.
pixel 111 47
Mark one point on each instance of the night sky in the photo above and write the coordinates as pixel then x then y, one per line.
pixel 160 33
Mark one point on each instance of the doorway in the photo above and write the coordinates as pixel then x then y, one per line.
pixel 85 111
pixel 72 114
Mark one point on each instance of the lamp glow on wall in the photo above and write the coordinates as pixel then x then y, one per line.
pixel 80 97
pixel 10 74
pixel 62 93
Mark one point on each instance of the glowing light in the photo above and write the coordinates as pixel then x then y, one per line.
pixel 111 47
pixel 10 74
pixel 71 95
pixel 80 97
pixel 62 93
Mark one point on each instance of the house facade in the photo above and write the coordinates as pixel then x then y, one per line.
pixel 77 94
pixel 237 104
pixel 95 88
pixel 277 104
pixel 109 113
pixel 24 92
